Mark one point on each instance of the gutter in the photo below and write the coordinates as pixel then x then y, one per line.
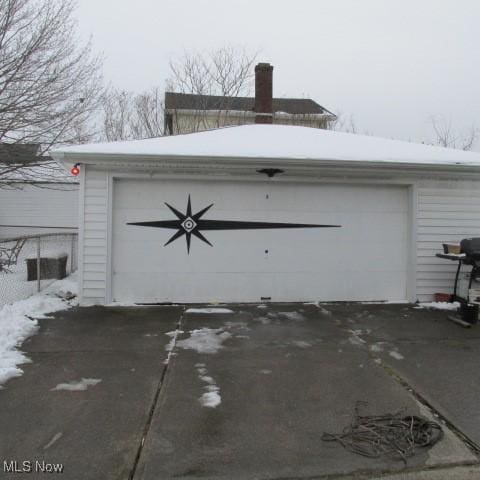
pixel 202 162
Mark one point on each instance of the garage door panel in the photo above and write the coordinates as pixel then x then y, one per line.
pixel 365 259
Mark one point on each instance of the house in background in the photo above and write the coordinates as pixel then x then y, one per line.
pixel 187 113
pixel 35 199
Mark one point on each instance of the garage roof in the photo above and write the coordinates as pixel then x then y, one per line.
pixel 276 142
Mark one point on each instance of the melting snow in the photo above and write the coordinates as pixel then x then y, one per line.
pixel 301 344
pixel 211 398
pixel 83 384
pixel 209 310
pixel 396 355
pixel 355 339
pixel 292 315
pixel 439 305
pixel 19 320
pixel 205 340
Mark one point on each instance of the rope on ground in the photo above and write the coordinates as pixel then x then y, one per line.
pixel 393 435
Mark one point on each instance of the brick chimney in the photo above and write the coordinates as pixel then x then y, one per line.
pixel 263 93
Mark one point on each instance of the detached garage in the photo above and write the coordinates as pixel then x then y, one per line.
pixel 270 212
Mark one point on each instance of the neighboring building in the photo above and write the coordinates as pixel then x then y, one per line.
pixel 33 200
pixel 270 212
pixel 187 113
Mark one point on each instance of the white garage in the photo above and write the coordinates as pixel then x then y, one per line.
pixel 270 213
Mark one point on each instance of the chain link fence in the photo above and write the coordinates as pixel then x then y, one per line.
pixel 28 264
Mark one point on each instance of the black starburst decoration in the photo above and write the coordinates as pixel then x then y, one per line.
pixel 189 224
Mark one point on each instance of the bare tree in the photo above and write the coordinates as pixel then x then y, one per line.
pixel 127 115
pixel 216 77
pixel 447 136
pixel 227 71
pixel 342 123
pixel 50 85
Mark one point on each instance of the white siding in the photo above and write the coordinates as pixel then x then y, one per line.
pixel 94 237
pixel 447 212
pixel 31 210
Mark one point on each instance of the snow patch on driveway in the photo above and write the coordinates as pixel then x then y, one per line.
pixel 209 310
pixel 396 355
pixel 295 316
pixel 79 386
pixel 205 340
pixel 18 321
pixel 438 305
pixel 211 398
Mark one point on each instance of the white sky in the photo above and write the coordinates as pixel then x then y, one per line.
pixel 390 63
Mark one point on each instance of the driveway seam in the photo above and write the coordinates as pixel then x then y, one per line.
pixel 153 406
pixel 473 446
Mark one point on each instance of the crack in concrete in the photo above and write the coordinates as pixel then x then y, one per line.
pixel 154 404
pixel 468 442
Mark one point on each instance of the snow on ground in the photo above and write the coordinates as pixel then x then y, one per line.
pixel 205 340
pixel 301 344
pixel 209 310
pixel 79 386
pixel 18 321
pixel 439 305
pixel 295 316
pixel 211 398
pixel 397 355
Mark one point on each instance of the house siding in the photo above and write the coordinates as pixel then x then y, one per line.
pixel 32 210
pixel 182 122
pixel 94 236
pixel 447 212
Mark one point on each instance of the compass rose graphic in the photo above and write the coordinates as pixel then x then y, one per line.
pixel 189 224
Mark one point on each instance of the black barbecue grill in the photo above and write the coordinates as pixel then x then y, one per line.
pixel 469 255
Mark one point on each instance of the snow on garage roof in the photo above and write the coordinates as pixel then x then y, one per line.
pixel 277 141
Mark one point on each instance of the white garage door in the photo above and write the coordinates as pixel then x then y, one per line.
pixel 236 251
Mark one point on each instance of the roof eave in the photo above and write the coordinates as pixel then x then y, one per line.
pixel 163 162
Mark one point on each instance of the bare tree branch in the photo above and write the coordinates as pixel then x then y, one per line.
pixel 50 85
pixel 447 136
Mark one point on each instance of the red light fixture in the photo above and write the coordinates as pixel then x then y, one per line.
pixel 75 169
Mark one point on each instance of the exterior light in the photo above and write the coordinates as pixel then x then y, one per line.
pixel 75 169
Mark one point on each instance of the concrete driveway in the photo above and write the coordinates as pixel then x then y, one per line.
pixel 160 392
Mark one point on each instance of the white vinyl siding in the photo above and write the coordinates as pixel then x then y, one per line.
pixel 94 237
pixel 447 212
pixel 31 210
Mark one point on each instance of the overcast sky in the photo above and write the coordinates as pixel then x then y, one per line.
pixel 390 63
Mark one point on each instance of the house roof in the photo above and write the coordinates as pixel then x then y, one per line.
pixel 275 142
pixel 294 106
pixel 18 153
pixel 20 163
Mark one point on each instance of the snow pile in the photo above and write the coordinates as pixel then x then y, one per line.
pixel 211 398
pixel 209 310
pixel 82 385
pixel 439 305
pixel 19 320
pixel 205 340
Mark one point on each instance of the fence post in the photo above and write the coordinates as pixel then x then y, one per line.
pixel 72 247
pixel 38 265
